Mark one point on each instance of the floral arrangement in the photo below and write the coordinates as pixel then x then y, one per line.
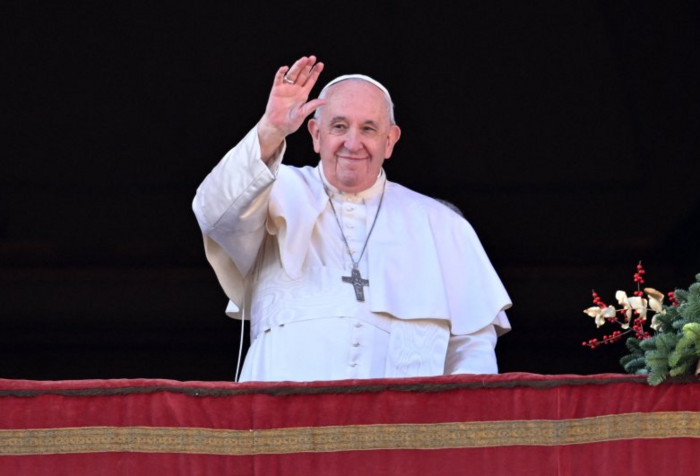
pixel 669 345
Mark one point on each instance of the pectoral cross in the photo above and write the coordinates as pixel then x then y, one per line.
pixel 357 282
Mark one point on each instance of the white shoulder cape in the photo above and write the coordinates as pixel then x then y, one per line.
pixel 424 260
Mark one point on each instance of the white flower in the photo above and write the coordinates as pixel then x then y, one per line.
pixel 600 314
pixel 639 304
pixel 656 299
pixel 634 303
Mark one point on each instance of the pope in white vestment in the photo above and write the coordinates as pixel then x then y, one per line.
pixel 281 239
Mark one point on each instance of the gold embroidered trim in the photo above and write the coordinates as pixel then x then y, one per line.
pixel 351 438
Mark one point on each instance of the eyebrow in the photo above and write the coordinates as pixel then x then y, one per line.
pixel 343 118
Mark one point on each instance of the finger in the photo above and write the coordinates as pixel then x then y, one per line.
pixel 313 76
pixel 305 70
pixel 309 107
pixel 279 76
pixel 297 67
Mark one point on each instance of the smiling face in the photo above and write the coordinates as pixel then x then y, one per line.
pixel 353 134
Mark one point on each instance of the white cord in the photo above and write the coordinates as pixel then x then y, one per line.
pixel 240 348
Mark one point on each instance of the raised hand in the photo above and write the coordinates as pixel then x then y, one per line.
pixel 288 104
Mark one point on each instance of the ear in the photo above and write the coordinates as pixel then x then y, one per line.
pixel 391 139
pixel 315 132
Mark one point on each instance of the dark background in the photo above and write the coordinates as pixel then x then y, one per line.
pixel 567 132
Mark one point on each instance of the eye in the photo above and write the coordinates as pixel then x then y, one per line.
pixel 338 127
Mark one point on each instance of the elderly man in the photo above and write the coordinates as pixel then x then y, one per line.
pixel 342 273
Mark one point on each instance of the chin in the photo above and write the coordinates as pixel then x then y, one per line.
pixel 348 185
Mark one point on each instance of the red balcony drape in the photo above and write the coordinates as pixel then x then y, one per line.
pixel 510 424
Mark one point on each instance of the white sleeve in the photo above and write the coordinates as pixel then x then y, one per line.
pixel 473 353
pixel 231 203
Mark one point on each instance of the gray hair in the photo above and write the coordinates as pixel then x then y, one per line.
pixel 360 77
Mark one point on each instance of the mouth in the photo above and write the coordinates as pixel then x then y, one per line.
pixel 355 159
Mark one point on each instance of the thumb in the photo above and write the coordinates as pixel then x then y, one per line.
pixel 311 106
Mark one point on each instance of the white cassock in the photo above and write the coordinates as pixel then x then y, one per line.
pixel 434 304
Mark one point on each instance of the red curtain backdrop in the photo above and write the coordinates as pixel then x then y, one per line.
pixel 511 424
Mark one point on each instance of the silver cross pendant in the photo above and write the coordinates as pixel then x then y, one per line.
pixel 357 282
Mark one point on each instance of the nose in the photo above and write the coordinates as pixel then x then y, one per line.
pixel 353 140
